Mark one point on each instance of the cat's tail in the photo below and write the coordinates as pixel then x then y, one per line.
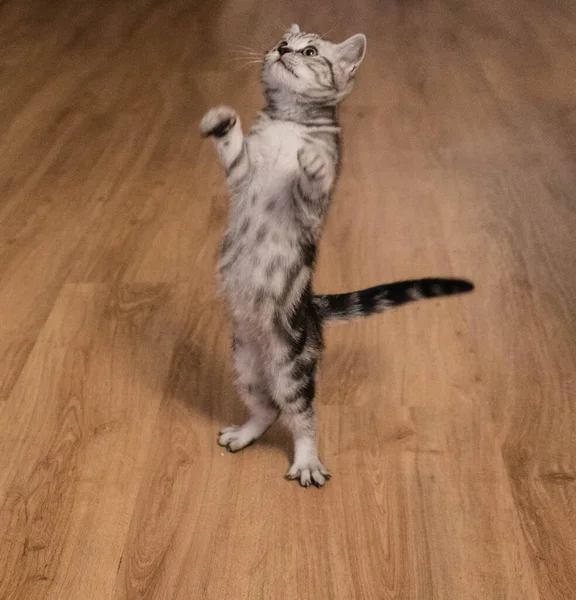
pixel 337 307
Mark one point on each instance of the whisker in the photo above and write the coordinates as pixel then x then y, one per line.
pixel 245 64
pixel 252 53
pixel 258 59
pixel 252 64
pixel 252 56
pixel 246 48
pixel 329 32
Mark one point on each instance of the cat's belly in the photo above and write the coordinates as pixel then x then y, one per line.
pixel 257 280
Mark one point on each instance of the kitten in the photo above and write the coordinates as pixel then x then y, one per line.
pixel 281 177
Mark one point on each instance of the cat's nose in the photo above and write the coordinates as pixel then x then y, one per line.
pixel 284 50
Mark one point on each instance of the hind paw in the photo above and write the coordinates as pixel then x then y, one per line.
pixel 312 472
pixel 236 437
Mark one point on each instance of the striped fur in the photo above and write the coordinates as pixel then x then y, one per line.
pixel 377 299
pixel 281 178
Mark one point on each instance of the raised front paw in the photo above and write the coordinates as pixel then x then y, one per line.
pixel 314 165
pixel 218 121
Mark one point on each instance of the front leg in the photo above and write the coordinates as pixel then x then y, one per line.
pixel 223 125
pixel 316 172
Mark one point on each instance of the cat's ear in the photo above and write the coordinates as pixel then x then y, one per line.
pixel 351 53
pixel 293 30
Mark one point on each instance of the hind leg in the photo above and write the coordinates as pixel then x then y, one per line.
pixel 293 387
pixel 306 467
pixel 252 389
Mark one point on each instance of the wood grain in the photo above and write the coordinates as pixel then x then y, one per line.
pixel 449 425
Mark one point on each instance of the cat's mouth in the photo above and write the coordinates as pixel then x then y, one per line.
pixel 283 64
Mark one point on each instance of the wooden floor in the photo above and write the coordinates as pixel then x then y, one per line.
pixel 449 426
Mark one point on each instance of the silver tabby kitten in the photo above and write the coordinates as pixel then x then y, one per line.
pixel 281 177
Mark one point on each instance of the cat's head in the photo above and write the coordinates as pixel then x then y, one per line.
pixel 312 68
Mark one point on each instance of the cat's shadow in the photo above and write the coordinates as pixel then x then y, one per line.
pixel 199 376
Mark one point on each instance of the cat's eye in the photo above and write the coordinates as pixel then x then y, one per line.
pixel 282 45
pixel 310 51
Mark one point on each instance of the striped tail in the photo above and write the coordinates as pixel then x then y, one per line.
pixel 374 300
